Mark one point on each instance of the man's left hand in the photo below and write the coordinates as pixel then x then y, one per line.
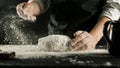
pixel 83 41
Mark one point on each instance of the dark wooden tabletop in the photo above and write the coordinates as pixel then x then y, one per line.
pixel 27 57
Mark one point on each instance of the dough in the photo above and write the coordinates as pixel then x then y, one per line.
pixel 54 43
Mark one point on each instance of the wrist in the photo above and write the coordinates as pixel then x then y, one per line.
pixel 97 31
pixel 95 37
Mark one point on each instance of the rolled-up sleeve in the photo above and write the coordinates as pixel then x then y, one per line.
pixel 44 4
pixel 111 9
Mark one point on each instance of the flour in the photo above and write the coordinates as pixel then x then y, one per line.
pixel 54 43
pixel 16 31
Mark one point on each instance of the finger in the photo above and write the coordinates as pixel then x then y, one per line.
pixel 83 48
pixel 86 47
pixel 81 45
pixel 19 9
pixel 78 33
pixel 21 6
pixel 79 38
pixel 90 47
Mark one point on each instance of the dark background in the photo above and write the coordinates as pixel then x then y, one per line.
pixel 5 3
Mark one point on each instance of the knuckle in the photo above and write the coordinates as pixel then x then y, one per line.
pixel 78 33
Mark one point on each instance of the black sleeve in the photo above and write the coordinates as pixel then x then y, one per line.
pixel 45 4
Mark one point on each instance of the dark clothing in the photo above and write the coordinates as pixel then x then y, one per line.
pixel 69 16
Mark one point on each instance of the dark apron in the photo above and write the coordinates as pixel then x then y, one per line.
pixel 69 16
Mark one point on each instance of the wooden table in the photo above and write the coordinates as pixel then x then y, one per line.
pixel 27 57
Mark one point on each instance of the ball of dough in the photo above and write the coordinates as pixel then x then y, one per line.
pixel 54 43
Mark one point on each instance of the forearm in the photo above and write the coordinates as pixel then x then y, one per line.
pixel 97 31
pixel 111 11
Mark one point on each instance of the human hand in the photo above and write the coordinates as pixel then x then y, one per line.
pixel 83 41
pixel 28 10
